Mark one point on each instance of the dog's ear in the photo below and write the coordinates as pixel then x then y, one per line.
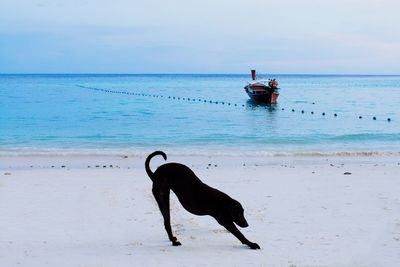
pixel 235 208
pixel 237 213
pixel 235 205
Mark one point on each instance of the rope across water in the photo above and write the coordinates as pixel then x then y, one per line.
pixel 324 114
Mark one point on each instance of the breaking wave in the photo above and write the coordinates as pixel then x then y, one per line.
pixel 193 152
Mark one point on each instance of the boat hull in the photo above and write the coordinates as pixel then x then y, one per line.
pixel 262 94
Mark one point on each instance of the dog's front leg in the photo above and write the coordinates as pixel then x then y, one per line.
pixel 233 229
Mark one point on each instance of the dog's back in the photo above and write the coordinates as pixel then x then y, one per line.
pixel 178 176
pixel 194 195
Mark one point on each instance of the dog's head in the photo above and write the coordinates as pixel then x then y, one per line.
pixel 237 213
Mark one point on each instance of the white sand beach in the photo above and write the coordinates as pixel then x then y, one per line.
pixel 302 211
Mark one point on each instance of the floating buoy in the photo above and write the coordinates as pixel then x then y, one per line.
pixel 323 113
pixel 283 109
pixel 302 111
pixel 360 117
pixel 335 115
pixel 374 118
pixel 388 119
pixel 292 110
pixel 312 112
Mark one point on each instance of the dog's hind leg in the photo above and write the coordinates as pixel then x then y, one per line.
pixel 161 194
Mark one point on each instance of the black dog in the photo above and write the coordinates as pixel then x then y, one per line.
pixel 196 197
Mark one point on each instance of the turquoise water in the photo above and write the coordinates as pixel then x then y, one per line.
pixel 61 113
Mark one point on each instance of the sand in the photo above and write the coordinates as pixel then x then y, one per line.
pixel 302 211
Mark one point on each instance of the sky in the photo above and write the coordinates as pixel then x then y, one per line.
pixel 207 36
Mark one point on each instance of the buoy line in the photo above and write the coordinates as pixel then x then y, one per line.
pixel 324 114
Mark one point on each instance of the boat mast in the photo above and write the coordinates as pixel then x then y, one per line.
pixel 253 74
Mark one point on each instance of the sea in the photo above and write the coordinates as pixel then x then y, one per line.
pixel 198 114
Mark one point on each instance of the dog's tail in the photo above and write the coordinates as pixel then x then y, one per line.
pixel 147 162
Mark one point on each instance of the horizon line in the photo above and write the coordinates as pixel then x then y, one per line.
pixel 155 73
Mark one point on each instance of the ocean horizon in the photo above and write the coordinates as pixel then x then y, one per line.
pixel 316 114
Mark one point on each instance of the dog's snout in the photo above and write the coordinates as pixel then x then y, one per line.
pixel 242 223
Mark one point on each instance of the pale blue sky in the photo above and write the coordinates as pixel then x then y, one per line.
pixel 183 36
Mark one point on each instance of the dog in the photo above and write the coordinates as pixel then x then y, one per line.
pixel 196 197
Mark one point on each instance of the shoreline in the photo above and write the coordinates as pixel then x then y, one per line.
pixel 126 160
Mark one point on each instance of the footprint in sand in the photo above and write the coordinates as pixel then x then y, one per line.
pixel 220 231
pixel 179 228
pixel 109 197
pixel 192 221
pixel 134 244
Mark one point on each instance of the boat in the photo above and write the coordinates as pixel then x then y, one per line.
pixel 265 91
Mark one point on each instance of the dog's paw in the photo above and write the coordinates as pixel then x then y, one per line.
pixel 254 246
pixel 176 243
